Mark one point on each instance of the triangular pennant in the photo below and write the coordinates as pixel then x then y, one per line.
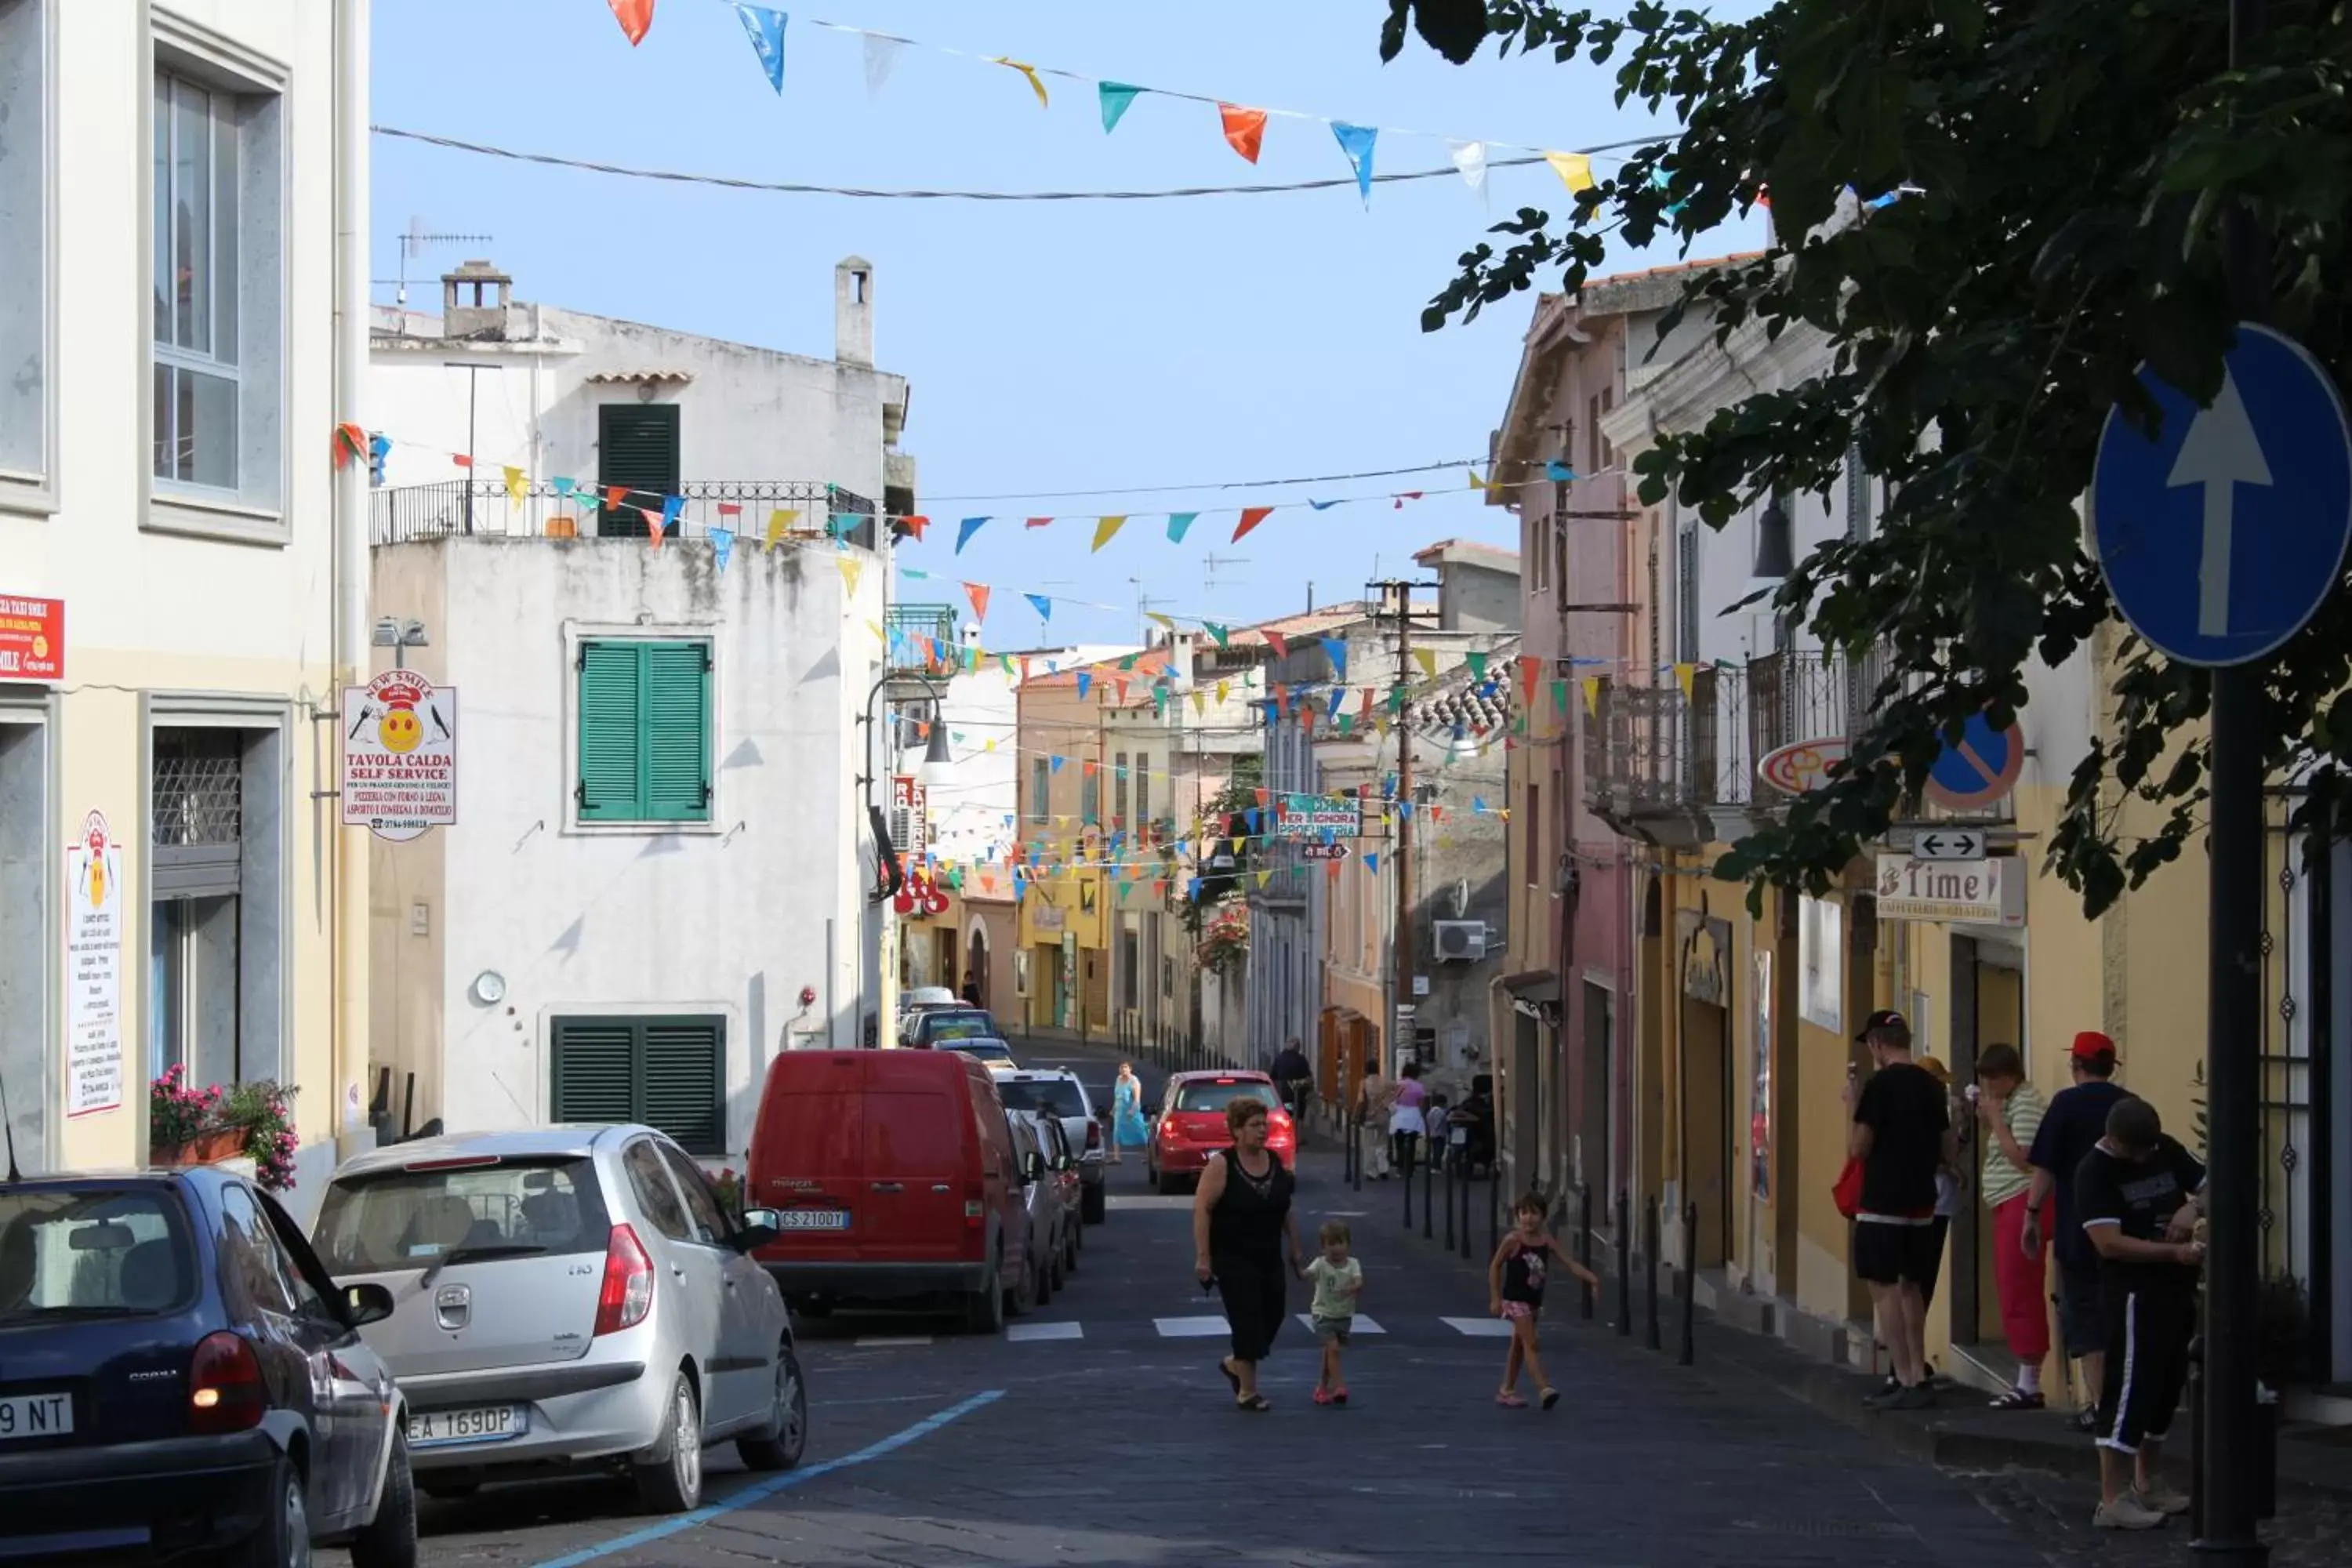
pixel 461 459
pixel 723 547
pixel 1574 169
pixel 1044 607
pixel 767 30
pixel 1178 522
pixel 1104 527
pixel 1036 82
pixel 1336 650
pixel 1116 96
pixel 1223 634
pixel 1158 619
pixel 978 593
pixel 1057 763
pixel 1470 158
pixel 1559 473
pixel 1276 641
pixel 1263 878
pixel 1038 522
pixel 1085 683
pixel 518 485
pixel 1223 687
pixel 1199 702
pixel 780 522
pixel 1250 516
pixel 1560 697
pixel 617 495
pixel 1372 862
pixel 1686 677
pixel 1427 658
pixel 1476 662
pixel 1356 141
pixel 655 531
pixel 1591 684
pixel 635 16
pixel 1244 129
pixel 671 507
pixel 965 529
pixel 881 55
pixel 850 567
pixel 915 523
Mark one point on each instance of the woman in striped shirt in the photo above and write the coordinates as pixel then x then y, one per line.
pixel 2010 1109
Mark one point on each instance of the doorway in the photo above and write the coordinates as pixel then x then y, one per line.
pixel 1706 1127
pixel 1988 1008
pixel 1594 1166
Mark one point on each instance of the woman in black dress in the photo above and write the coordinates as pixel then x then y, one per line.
pixel 1241 1222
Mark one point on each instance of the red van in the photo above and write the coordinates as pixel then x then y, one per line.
pixel 894 1176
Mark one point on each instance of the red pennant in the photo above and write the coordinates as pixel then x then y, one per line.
pixel 1530 668
pixel 1024 668
pixel 1280 643
pixel 654 529
pixel 462 461
pixel 350 442
pixel 730 509
pixel 1263 796
pixel 635 16
pixel 1121 684
pixel 1038 522
pixel 1250 516
pixel 1090 770
pixel 915 524
pixel 979 593
pixel 618 495
pixel 1408 495
pixel 1244 128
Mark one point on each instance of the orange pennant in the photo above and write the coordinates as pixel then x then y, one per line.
pixel 654 529
pixel 635 16
pixel 978 593
pixel 1250 516
pixel 915 524
pixel 617 495
pixel 1244 128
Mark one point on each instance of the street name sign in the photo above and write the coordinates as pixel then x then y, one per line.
pixel 1323 851
pixel 2222 535
pixel 1949 842
pixel 1980 770
pixel 1318 818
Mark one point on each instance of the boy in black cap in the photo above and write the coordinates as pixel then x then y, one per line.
pixel 1902 1134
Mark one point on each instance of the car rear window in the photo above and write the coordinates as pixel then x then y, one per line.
pixel 956 1025
pixel 986 1050
pixel 93 1250
pixel 1058 1095
pixel 1215 1096
pixel 382 1221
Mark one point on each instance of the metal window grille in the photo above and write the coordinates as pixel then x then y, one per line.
pixel 198 787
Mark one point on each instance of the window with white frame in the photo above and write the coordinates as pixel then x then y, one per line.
pixel 218 286
pixel 24 241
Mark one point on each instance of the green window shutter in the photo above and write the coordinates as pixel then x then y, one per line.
pixel 609 788
pixel 676 731
pixel 686 1081
pixel 594 1070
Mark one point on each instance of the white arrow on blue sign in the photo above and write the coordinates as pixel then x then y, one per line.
pixel 2221 536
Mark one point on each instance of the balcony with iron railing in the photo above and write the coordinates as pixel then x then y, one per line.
pixel 922 639
pixel 801 509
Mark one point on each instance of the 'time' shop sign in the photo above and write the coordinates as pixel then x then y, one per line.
pixel 1989 893
pixel 32 639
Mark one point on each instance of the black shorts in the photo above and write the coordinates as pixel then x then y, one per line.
pixel 2082 1319
pixel 1887 1252
pixel 2148 1365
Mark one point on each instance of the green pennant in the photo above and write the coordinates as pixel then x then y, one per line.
pixel 1220 633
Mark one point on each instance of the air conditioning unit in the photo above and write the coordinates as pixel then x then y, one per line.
pixel 1459 942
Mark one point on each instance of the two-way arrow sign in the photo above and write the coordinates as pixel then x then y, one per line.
pixel 1950 844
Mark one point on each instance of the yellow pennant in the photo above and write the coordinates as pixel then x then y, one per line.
pixel 850 567
pixel 1167 621
pixel 1427 658
pixel 990 744
pixel 1685 674
pixel 1105 528
pixel 1222 688
pixel 1574 169
pixel 779 523
pixel 516 485
pixel 1037 84
pixel 1591 684
pixel 1200 702
pixel 1263 878
pixel 879 634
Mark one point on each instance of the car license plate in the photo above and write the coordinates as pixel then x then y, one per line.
pixel 483 1424
pixel 36 1416
pixel 816 1219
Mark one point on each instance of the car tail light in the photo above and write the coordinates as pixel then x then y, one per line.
pixel 629 1292
pixel 1169 1128
pixel 976 1205
pixel 1094 1135
pixel 225 1387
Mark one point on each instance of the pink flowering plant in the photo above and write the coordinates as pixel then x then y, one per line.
pixel 178 1113
pixel 262 1112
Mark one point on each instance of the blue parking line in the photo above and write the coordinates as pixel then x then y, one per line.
pixel 775 1484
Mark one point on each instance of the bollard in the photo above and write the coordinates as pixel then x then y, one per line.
pixel 1428 1187
pixel 1493 1208
pixel 1449 1205
pixel 1404 1175
pixel 1650 1249
pixel 1356 1148
pixel 1467 1251
pixel 1625 1264
pixel 1689 1351
pixel 1584 1248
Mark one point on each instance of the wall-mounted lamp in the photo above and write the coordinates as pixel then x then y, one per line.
pixel 1776 545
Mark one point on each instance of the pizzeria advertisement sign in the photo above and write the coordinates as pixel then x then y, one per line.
pixel 400 756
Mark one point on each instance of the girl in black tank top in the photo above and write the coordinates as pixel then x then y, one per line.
pixel 1514 1287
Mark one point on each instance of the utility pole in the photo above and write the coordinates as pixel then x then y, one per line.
pixel 1398 590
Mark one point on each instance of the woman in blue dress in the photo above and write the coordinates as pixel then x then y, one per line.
pixel 1127 1129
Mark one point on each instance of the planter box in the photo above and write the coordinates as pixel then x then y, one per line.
pixel 206 1149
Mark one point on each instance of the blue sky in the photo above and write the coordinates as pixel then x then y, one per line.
pixel 1052 346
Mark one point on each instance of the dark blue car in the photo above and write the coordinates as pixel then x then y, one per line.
pixel 179 1374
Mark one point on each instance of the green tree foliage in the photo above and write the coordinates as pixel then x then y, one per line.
pixel 2068 171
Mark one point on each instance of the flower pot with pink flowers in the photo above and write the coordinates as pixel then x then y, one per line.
pixel 188 1125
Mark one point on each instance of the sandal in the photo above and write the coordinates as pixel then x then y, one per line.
pixel 1254 1404
pixel 1226 1367
pixel 2018 1399
pixel 1510 1401
pixel 1549 1397
pixel 1338 1396
pixel 1322 1396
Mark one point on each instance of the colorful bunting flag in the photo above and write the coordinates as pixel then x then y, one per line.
pixel 881 55
pixel 1336 650
pixel 1574 169
pixel 767 30
pixel 965 529
pixel 1593 695
pixel 1044 611
pixel 1085 683
pixel 1470 158
pixel 1686 677
pixel 916 523
pixel 1322 505
pixel 1224 636
pixel 1371 863
pixel 1178 522
pixel 1038 522
pixel 1104 527
pixel 723 547
pixel 517 484
pixel 1276 641
pixel 978 593
pixel 780 522
pixel 635 16
pixel 1250 516
pixel 1476 662
pixel 1427 658
pixel 655 531
pixel 850 567
pixel 1244 129
pixel 1559 473
pixel 1356 141
pixel 1116 96
pixel 1036 83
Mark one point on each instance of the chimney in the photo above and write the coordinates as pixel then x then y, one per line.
pixel 853 313
pixel 474 301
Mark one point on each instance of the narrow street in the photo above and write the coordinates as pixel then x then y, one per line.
pixel 1096 1431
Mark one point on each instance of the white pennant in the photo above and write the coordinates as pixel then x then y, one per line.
pixel 1470 157
pixel 881 55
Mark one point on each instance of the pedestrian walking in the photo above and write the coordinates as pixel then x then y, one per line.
pixel 1374 1097
pixel 2011 1110
pixel 2138 1194
pixel 1127 1125
pixel 1292 1076
pixel 1902 1134
pixel 1242 1225
pixel 2070 1128
pixel 1515 1291
pixel 1405 1115
pixel 1338 1281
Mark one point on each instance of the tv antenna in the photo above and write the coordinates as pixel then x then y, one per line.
pixel 1143 603
pixel 416 242
pixel 1212 561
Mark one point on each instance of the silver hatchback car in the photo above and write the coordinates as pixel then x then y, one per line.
pixel 568 1297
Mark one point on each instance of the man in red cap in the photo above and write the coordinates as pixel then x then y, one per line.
pixel 2070 1129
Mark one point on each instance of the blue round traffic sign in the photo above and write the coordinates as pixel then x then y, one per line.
pixel 1981 769
pixel 2222 535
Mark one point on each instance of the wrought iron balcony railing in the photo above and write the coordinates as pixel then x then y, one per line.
pixel 1655 754
pixel 746 508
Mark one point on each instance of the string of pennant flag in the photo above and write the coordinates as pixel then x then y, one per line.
pixel 1241 127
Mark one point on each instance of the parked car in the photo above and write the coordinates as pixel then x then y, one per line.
pixel 1060 1094
pixel 943 1026
pixel 894 1177
pixel 995 1053
pixel 568 1298
pixel 1051 1218
pixel 179 1374
pixel 924 999
pixel 1192 1124
pixel 1063 1168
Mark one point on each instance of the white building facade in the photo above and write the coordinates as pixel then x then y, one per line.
pixel 657 598
pixel 181 300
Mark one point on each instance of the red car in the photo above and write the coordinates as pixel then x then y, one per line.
pixel 1192 1124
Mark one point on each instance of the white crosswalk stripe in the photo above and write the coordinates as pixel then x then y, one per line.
pixel 1479 1328
pixel 1362 1324
pixel 1201 1328
pixel 891 1342
pixel 1026 1333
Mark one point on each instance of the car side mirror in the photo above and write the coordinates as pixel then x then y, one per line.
pixel 365 1304
pixel 757 1228
pixel 1032 1168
